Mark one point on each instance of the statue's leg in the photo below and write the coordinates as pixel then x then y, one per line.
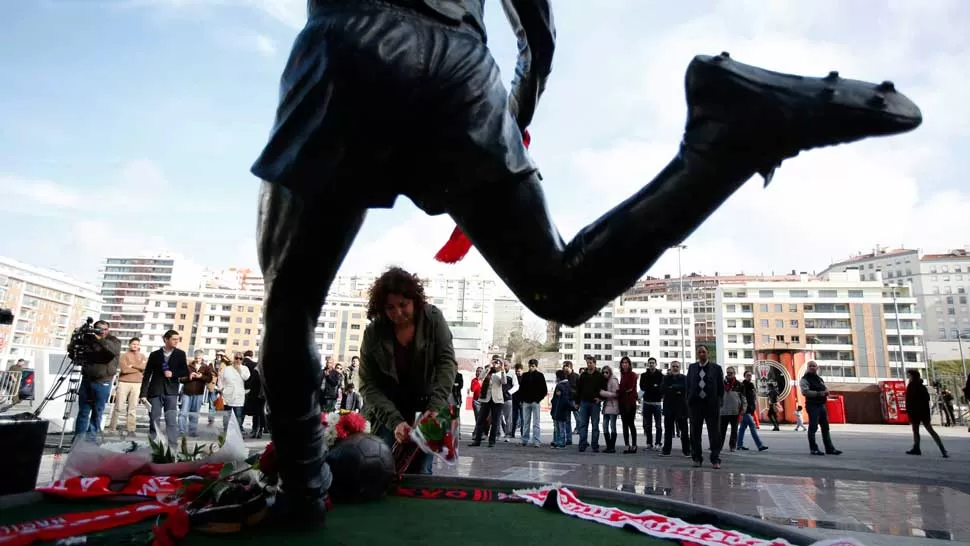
pixel 742 120
pixel 301 245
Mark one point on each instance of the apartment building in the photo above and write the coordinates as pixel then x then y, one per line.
pixel 640 329
pixel 698 293
pixel 231 320
pixel 940 283
pixel 47 306
pixel 858 330
pixel 127 283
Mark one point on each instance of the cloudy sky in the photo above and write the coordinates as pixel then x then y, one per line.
pixel 130 126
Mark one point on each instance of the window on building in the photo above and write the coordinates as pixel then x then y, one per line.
pixel 763 308
pixel 856 293
pixel 780 338
pixel 792 307
pixel 766 293
pixel 731 323
pixel 764 323
pixel 798 293
pixel 746 308
pixel 733 338
pixel 731 308
pixel 766 338
pixel 793 323
pixel 796 339
pixel 733 354
pixel 779 323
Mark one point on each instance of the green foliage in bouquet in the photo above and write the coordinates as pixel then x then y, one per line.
pixel 162 451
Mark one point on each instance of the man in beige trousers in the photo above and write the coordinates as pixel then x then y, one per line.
pixel 132 365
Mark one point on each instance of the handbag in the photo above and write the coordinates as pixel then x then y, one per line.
pixel 219 403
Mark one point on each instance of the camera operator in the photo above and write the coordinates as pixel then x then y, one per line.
pixel 99 352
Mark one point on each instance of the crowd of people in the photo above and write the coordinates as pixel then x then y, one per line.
pixel 677 404
pixel 408 366
pixel 171 386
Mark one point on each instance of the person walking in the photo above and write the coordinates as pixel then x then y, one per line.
pixel 750 393
pixel 918 409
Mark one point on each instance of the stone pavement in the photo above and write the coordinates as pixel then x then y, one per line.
pixel 873 491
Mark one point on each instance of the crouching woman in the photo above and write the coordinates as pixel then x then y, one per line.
pixel 407 360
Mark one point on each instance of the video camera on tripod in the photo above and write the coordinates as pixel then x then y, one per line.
pixel 75 348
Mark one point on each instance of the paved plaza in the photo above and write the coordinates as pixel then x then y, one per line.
pixel 873 491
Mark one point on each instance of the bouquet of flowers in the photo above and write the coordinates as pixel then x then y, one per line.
pixel 336 427
pixel 436 433
pixel 167 454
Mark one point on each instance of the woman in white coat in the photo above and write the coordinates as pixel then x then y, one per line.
pixel 611 408
pixel 231 384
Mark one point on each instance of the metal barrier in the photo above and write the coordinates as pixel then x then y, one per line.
pixel 9 387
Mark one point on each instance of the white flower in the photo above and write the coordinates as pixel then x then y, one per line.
pixel 121 447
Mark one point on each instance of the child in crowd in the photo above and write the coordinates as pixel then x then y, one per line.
pixel 561 410
pixel 799 423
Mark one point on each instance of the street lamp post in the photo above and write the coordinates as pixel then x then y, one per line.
pixel 680 276
pixel 963 361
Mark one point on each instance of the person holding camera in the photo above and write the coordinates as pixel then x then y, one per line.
pixel 99 353
pixel 495 390
pixel 160 382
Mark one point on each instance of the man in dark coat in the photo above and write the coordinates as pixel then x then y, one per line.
pixel 674 389
pixel 705 394
pixel 160 383
pixel 816 394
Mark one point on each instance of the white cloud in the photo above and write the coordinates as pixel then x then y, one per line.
pixel 292 13
pixel 265 45
pixel 42 193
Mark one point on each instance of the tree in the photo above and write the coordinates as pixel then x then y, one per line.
pixel 520 347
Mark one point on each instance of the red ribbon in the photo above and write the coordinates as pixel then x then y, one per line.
pixel 459 244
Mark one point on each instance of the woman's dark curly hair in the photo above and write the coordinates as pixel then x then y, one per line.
pixel 395 281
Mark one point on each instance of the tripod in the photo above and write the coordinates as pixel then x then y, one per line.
pixel 69 371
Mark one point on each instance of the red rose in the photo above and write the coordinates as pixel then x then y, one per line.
pixel 178 523
pixel 267 461
pixel 175 527
pixel 350 424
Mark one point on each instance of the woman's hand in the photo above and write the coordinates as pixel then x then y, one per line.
pixel 402 432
